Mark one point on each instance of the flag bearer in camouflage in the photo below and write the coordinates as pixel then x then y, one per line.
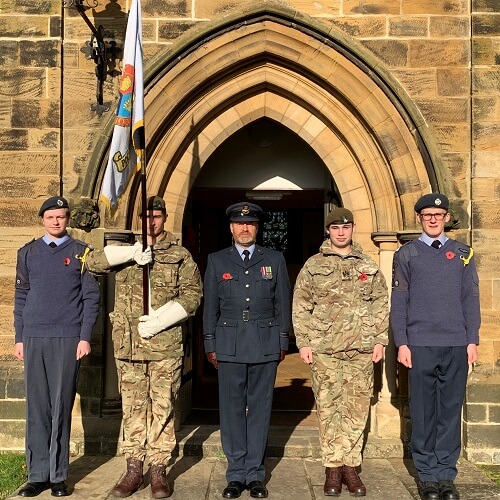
pixel 340 318
pixel 148 349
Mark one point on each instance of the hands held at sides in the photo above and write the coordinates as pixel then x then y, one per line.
pixel 306 354
pixel 212 358
pixel 404 355
pixel 82 349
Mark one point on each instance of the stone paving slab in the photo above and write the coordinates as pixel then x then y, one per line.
pixel 203 478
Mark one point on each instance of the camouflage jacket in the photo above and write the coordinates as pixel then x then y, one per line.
pixel 340 303
pixel 173 276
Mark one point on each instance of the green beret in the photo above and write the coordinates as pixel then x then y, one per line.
pixel 154 203
pixel 339 216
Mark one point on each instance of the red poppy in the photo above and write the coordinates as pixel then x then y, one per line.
pixel 450 255
pixel 66 261
pixel 363 277
pixel 227 276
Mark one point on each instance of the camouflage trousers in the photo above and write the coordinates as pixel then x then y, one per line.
pixel 342 389
pixel 148 390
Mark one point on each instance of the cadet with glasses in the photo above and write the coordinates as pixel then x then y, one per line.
pixel 435 318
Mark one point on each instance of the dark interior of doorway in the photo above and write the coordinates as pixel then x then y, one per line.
pixel 294 225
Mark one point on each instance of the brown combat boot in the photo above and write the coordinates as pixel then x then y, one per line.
pixel 353 482
pixel 131 481
pixel 333 482
pixel 159 484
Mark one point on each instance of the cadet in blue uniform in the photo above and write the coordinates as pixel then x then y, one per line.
pixel 56 306
pixel 246 319
pixel 435 318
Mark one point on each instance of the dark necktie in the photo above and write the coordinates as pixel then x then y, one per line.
pixel 436 244
pixel 52 244
pixel 246 253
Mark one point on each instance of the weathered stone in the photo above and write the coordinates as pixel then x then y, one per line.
pixel 361 27
pixel 330 8
pixel 372 7
pixel 22 82
pixel 13 139
pixel 485 51
pixel 449 26
pixel 485 135
pixel 475 413
pixel 13 409
pixel 445 110
pixel 9 53
pixel 418 82
pixel 171 30
pixel 392 52
pixel 35 113
pixel 486 109
pixel 486 24
pixel 438 53
pixel 434 6
pixel 21 26
pixel 494 414
pixel 43 53
pixel 166 8
pixel 30 7
pixel 408 26
pixel 486 81
pixel 43 140
pixel 55 26
pixel 455 138
pixel 453 82
pixel 484 6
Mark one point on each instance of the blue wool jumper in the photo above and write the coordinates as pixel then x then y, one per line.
pixel 53 297
pixel 435 295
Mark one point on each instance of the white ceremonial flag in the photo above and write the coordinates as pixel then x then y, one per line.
pixel 127 143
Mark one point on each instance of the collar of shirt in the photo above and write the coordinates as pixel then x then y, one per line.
pixel 57 241
pixel 240 250
pixel 428 240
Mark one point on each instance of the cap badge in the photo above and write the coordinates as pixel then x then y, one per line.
pixel 437 202
pixel 60 202
pixel 344 219
pixel 245 210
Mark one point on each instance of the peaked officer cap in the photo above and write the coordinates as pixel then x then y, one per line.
pixel 244 212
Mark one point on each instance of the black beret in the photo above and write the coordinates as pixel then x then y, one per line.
pixel 53 203
pixel 435 200
pixel 244 212
pixel 339 216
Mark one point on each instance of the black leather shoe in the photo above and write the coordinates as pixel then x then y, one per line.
pixel 233 489
pixel 447 490
pixel 429 490
pixel 59 489
pixel 257 489
pixel 33 489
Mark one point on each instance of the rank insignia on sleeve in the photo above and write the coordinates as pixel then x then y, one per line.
pixel 266 272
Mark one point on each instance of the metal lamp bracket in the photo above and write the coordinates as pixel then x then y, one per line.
pixel 101 48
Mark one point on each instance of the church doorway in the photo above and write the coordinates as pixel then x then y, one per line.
pixel 266 164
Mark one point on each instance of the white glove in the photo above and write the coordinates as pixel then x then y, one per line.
pixel 117 254
pixel 163 318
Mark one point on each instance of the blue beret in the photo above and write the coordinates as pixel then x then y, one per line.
pixel 435 200
pixel 244 212
pixel 53 203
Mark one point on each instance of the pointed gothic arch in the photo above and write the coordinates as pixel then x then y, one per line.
pixel 317 82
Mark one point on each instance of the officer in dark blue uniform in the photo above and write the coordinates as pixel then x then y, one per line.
pixel 246 319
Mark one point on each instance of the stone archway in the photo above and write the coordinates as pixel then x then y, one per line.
pixel 267 67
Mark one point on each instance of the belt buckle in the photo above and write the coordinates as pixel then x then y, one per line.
pixel 246 315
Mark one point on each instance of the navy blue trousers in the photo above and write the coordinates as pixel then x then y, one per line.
pixel 438 379
pixel 51 373
pixel 244 432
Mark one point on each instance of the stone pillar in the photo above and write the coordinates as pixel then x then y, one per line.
pixel 387 415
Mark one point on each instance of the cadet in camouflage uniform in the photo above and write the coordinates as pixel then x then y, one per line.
pixel 340 319
pixel 148 349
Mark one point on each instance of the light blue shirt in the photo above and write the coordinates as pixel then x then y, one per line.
pixel 428 240
pixel 240 250
pixel 57 241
